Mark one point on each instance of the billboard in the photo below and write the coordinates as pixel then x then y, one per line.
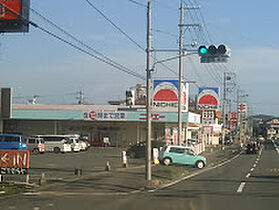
pixel 243 110
pixel 208 98
pixel 165 94
pixel 14 16
pixel 14 162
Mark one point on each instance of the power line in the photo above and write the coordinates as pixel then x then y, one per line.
pixel 114 25
pixel 137 3
pixel 109 61
pixel 125 34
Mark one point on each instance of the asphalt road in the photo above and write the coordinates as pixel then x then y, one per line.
pixel 247 182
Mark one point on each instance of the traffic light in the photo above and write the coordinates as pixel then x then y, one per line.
pixel 214 54
pixel 130 97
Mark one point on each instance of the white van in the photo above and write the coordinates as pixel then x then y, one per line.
pixel 76 147
pixel 56 143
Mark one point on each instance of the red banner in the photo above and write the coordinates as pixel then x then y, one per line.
pixel 8 8
pixel 14 159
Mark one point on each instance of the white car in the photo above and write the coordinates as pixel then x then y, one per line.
pixel 76 147
pixel 56 143
pixel 82 145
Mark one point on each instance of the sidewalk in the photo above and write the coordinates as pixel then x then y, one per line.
pixel 130 180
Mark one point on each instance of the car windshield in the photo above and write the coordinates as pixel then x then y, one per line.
pixel 139 104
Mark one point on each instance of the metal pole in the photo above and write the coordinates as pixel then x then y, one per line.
pixel 224 111
pixel 148 93
pixel 238 114
pixel 180 74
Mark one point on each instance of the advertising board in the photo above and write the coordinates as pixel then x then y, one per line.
pixel 208 98
pixel 14 162
pixel 14 15
pixel 104 115
pixel 165 95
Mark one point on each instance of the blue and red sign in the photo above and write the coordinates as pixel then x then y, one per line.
pixel 165 94
pixel 208 98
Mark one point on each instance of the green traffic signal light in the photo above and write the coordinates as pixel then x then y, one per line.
pixel 203 50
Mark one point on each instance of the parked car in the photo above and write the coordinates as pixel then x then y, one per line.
pixel 75 145
pixel 82 145
pixel 35 145
pixel 251 148
pixel 12 142
pixel 138 150
pixel 74 142
pixel 181 155
pixel 85 139
pixel 56 143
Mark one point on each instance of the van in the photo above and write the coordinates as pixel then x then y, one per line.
pixel 12 142
pixel 35 145
pixel 56 143
pixel 74 143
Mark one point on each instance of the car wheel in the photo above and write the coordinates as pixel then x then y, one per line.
pixel 56 150
pixel 167 161
pixel 36 151
pixel 200 164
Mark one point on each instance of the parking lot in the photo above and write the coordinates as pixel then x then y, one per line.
pixel 63 165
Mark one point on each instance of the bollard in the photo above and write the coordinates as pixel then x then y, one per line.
pixel 27 179
pixel 78 172
pixel 124 159
pixel 108 167
pixel 156 156
pixel 42 180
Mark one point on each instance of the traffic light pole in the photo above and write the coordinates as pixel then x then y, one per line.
pixel 148 93
pixel 224 110
pixel 180 73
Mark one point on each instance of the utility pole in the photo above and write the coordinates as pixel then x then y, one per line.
pixel 80 97
pixel 148 93
pixel 238 114
pixel 224 110
pixel 180 73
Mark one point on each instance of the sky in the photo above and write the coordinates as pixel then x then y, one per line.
pixel 35 63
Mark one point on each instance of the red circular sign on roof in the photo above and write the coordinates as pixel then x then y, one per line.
pixel 208 100
pixel 165 95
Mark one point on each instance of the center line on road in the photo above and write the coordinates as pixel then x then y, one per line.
pixel 241 186
pixel 248 175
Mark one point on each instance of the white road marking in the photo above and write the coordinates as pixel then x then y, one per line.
pixel 241 187
pixel 192 175
pixel 248 175
pixel 254 165
pixel 252 169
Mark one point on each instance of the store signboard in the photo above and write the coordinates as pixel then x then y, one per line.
pixel 14 16
pixel 166 94
pixel 14 162
pixel 208 98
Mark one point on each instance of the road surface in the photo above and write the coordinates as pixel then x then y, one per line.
pixel 247 182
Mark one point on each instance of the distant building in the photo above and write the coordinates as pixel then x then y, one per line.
pixel 272 128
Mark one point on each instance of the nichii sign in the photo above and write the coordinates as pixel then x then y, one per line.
pixel 208 98
pixel 165 94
